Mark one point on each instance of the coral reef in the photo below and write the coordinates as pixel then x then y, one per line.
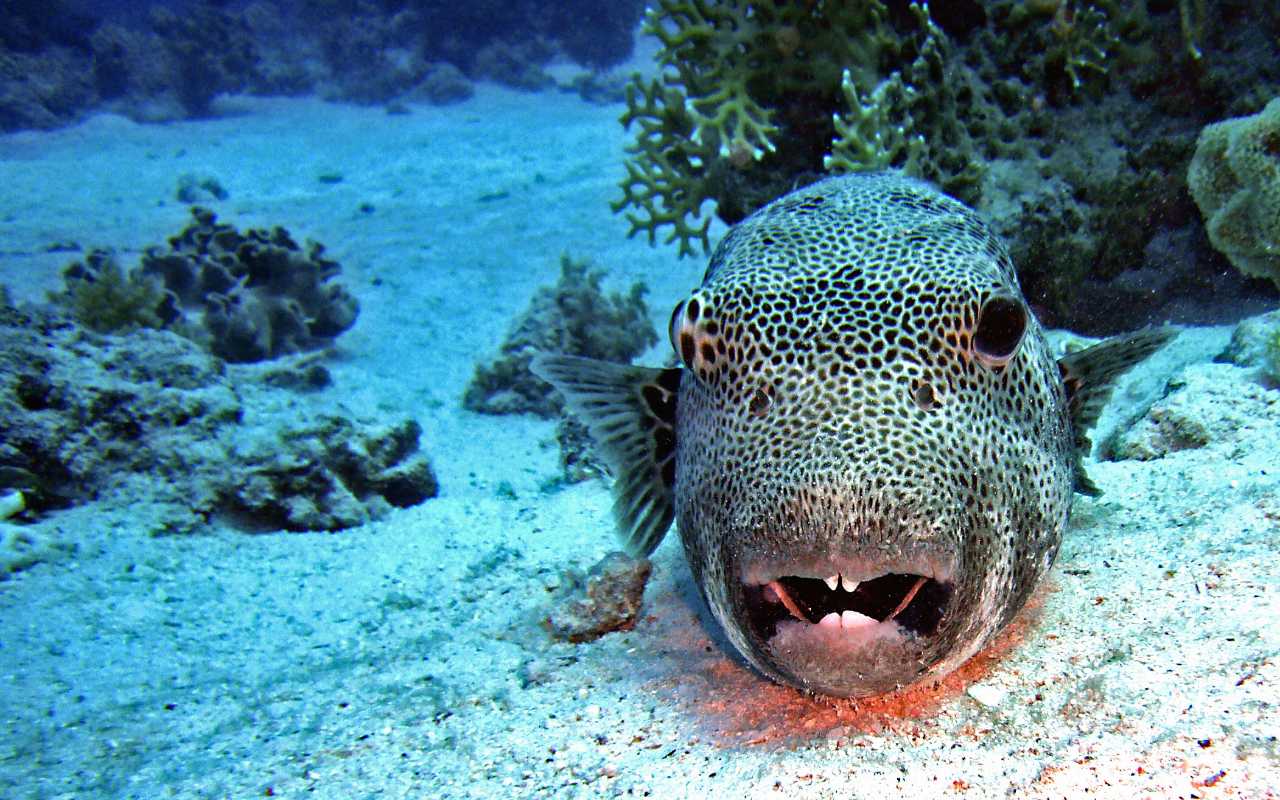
pixel 56 64
pixel 574 317
pixel 757 96
pixel 378 51
pixel 210 50
pixel 43 48
pixel 1235 179
pixel 149 414
pixel 245 296
pixel 1059 119
pixel 606 600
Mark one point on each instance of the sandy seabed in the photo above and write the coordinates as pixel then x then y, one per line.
pixel 405 658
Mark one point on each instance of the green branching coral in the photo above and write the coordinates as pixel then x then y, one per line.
pixel 666 180
pixel 725 115
pixel 911 120
pixel 867 138
pixel 1063 48
pixel 106 299
pixel 755 98
pixel 1085 41
pixel 739 80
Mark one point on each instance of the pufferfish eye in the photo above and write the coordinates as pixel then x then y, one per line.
pixel 1001 324
pixel 680 331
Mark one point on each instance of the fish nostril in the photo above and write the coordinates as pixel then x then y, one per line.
pixel 924 398
pixel 761 401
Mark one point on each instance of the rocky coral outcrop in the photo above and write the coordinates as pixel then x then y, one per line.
pixel 79 409
pixel 149 415
pixel 1210 405
pixel 329 475
pixel 575 317
pixel 247 296
pixel 607 599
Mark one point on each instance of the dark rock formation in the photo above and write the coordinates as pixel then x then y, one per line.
pixel 247 296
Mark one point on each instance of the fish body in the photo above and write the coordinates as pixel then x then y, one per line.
pixel 868 448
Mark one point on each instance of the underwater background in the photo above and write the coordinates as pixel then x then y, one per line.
pixel 284 513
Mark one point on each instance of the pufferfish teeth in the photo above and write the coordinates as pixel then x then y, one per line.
pixel 831 620
pixel 832 581
pixel 846 584
pixel 852 619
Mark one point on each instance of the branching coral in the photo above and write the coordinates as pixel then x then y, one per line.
pixel 756 97
pixel 866 137
pixel 739 80
pixel 666 180
pixel 1061 48
pixel 1084 40
pixel 727 119
pixel 908 121
pixel 106 299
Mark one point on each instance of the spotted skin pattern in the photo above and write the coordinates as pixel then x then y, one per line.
pixel 839 410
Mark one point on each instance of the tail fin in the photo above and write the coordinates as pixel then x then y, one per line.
pixel 631 413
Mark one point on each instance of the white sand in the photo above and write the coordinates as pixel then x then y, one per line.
pixel 405 659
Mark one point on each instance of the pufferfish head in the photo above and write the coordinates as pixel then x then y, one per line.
pixel 874 458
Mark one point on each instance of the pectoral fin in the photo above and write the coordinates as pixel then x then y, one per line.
pixel 1090 376
pixel 631 413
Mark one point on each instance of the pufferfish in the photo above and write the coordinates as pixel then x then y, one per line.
pixel 868 448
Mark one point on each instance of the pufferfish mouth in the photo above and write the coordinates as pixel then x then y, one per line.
pixel 857 599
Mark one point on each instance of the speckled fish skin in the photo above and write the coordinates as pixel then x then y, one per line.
pixel 864 394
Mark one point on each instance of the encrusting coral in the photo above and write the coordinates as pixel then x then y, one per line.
pixel 1235 179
